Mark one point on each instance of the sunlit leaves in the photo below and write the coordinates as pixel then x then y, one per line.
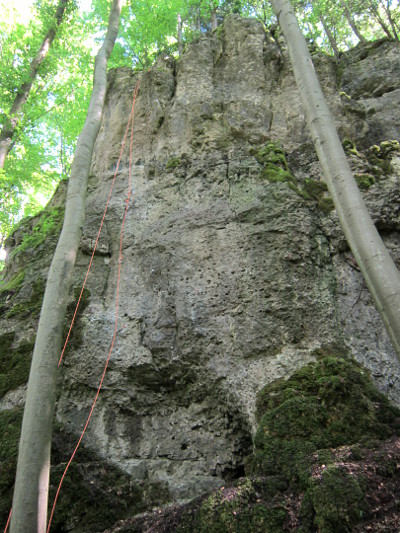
pixel 55 110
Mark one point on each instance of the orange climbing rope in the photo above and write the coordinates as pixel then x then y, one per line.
pixel 103 218
pixel 8 522
pixel 127 200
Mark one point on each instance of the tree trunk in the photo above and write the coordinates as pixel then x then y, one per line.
pixel 6 136
pixel 351 21
pixel 331 38
pixel 377 267
pixel 382 24
pixel 391 21
pixel 180 44
pixel 32 479
pixel 214 19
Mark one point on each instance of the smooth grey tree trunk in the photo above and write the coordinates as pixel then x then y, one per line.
pixel 391 21
pixel 382 24
pixel 331 39
pixel 351 21
pixel 32 480
pixel 7 132
pixel 377 266
pixel 180 44
pixel 214 19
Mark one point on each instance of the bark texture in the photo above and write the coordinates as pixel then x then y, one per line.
pixel 32 479
pixel 377 266
pixel 7 133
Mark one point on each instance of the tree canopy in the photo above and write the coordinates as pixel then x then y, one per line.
pixel 54 112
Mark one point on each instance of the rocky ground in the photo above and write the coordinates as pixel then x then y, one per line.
pixel 332 490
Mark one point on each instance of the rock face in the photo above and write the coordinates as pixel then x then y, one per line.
pixel 231 277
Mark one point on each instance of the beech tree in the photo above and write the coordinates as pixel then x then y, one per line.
pixel 11 122
pixel 48 126
pixel 32 479
pixel 351 21
pixel 377 266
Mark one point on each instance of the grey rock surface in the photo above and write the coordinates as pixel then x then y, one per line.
pixel 229 281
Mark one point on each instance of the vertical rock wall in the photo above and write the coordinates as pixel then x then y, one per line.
pixel 230 279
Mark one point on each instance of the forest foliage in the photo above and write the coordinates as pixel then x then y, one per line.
pixel 55 111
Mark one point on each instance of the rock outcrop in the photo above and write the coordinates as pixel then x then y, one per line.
pixel 235 271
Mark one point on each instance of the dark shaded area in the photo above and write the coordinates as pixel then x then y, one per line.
pixel 327 459
pixel 94 493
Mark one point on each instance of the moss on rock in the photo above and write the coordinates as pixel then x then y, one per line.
pixel 364 180
pixel 33 305
pixel 350 148
pixel 10 427
pixel 173 163
pixel 238 509
pixel 326 404
pixel 14 362
pixel 380 156
pixel 13 284
pixel 318 192
pixel 275 168
pixel 48 222
pixel 333 503
pixel 304 475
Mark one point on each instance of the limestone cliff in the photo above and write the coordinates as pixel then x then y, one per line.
pixel 235 271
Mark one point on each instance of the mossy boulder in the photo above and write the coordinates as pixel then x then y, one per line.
pixel 324 405
pixel 238 509
pixel 334 502
pixel 313 462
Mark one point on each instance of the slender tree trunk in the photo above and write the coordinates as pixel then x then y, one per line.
pixel 377 267
pixel 213 14
pixel 351 21
pixel 330 36
pixel 214 19
pixel 180 44
pixel 32 479
pixel 381 22
pixel 391 21
pixel 6 136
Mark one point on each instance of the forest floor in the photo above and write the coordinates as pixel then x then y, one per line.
pixel 378 466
